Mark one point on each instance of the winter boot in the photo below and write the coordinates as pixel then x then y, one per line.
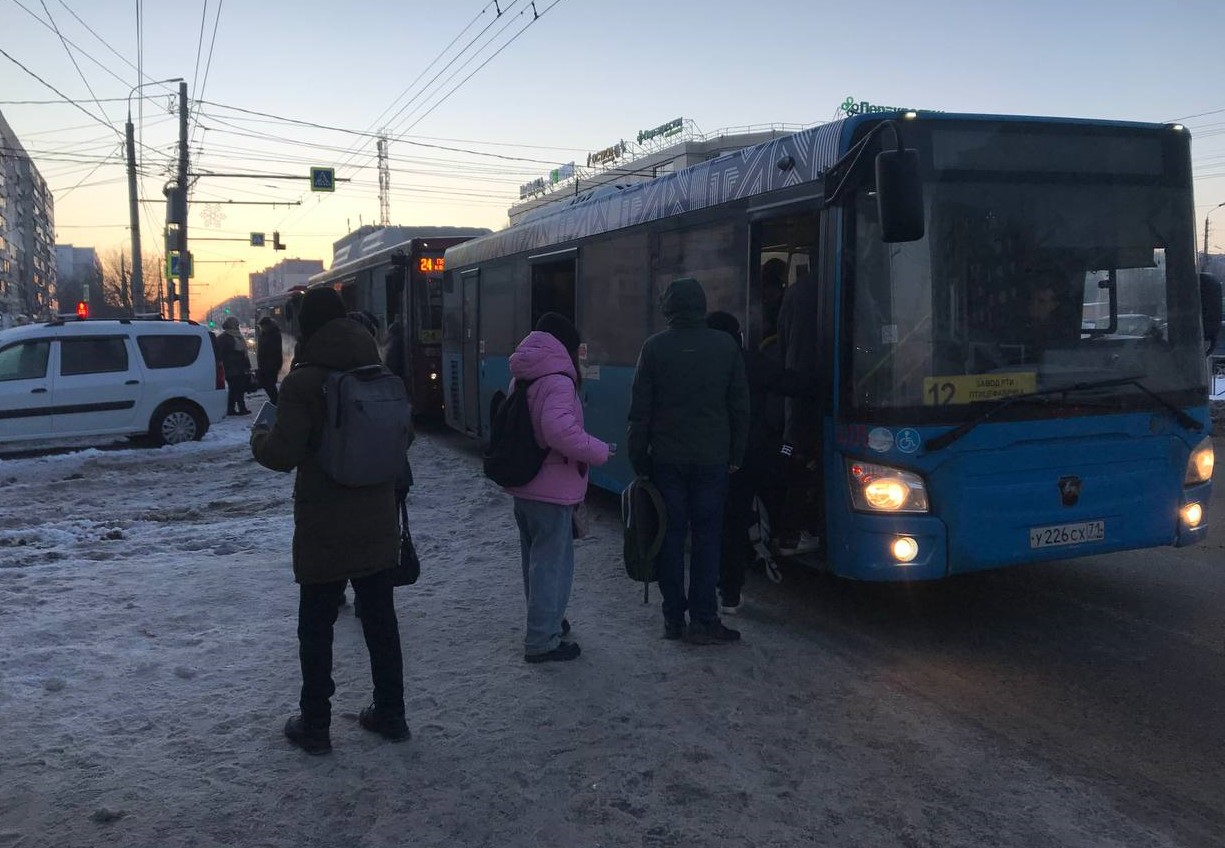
pixel 710 633
pixel 391 727
pixel 313 739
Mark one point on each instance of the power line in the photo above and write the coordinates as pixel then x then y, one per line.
pixel 537 16
pixel 73 59
pixel 66 98
pixel 209 62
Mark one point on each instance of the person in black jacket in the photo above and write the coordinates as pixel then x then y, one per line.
pixel 341 533
pixel 688 426
pixel 232 348
pixel 269 357
pixel 763 470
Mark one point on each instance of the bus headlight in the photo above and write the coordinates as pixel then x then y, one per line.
pixel 879 488
pixel 1200 463
pixel 1192 514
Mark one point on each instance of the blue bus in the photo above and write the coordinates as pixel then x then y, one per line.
pixel 1005 314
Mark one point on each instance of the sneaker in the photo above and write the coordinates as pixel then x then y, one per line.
pixel 312 740
pixel 391 728
pixel 801 544
pixel 674 629
pixel 710 633
pixel 563 652
pixel 730 606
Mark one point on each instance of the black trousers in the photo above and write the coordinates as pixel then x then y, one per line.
pixel 236 401
pixel 267 382
pixel 317 605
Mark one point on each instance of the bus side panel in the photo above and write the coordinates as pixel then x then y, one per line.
pixel 606 402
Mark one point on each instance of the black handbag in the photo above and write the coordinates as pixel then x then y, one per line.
pixel 408 567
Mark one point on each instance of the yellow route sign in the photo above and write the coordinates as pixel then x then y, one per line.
pixel 970 388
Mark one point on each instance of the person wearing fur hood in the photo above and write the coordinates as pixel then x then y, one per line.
pixel 232 351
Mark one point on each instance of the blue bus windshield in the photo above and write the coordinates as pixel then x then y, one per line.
pixel 1029 277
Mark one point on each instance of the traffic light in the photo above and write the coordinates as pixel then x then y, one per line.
pixel 82 310
pixel 227 310
pixel 276 241
pixel 212 324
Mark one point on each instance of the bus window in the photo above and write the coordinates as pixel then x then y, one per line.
pixel 713 255
pixel 613 299
pixel 786 251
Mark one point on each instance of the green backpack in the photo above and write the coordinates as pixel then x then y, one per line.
pixel 644 520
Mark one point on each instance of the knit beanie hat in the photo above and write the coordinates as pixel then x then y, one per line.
pixel 724 321
pixel 319 305
pixel 560 328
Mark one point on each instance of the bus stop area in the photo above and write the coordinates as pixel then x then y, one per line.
pixel 151 662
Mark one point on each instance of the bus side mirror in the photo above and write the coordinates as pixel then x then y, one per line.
pixel 899 195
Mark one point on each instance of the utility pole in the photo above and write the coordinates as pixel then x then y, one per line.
pixel 1203 265
pixel 384 184
pixel 184 256
pixel 138 280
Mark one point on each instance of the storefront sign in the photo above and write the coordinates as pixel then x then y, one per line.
pixel 536 186
pixel 851 106
pixel 608 154
pixel 662 131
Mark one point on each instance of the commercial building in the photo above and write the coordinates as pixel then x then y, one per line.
pixel 78 275
pixel 658 151
pixel 275 282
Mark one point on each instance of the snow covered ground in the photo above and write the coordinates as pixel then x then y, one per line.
pixel 148 662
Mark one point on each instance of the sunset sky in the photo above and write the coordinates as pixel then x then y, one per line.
pixel 476 104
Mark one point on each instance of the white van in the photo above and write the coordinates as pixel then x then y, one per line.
pixel 70 378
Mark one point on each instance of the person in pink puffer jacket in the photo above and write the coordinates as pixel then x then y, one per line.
pixel 544 507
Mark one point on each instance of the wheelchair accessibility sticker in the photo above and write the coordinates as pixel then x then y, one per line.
pixel 908 440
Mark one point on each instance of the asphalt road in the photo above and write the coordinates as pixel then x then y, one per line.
pixel 1108 669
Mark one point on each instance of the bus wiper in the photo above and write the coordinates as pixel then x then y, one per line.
pixel 945 439
pixel 1183 418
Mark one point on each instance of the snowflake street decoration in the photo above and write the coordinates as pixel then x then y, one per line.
pixel 212 215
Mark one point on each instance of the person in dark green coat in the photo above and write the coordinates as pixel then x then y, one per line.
pixel 341 533
pixel 688 427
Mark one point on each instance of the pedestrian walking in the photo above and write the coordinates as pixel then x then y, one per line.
pixel 688 426
pixel 547 358
pixel 341 533
pixel 269 357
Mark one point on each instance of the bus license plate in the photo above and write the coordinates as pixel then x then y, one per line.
pixel 1067 534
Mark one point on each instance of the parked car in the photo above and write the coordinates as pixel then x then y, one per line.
pixel 72 378
pixel 1131 325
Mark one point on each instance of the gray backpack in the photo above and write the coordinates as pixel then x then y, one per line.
pixel 368 427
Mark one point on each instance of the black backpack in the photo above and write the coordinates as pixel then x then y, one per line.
pixel 513 457
pixel 645 521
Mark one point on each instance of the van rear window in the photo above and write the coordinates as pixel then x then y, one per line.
pixel 93 355
pixel 168 351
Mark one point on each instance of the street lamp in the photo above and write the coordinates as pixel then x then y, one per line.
pixel 138 276
pixel 1203 265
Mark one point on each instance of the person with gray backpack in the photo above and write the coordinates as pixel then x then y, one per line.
pixel 346 527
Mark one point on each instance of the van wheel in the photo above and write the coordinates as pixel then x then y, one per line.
pixel 176 423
